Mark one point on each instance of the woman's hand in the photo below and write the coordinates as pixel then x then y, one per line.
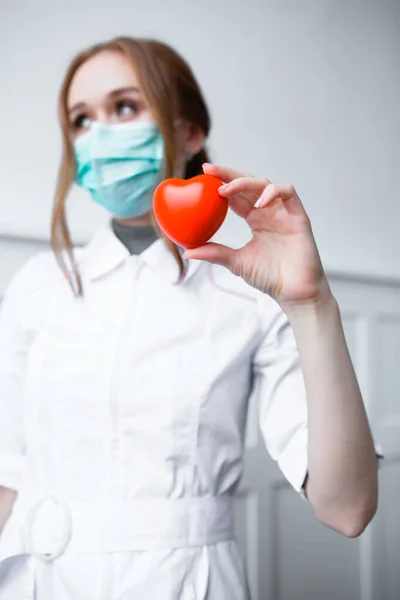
pixel 282 258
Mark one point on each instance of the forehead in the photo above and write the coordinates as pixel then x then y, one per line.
pixel 99 75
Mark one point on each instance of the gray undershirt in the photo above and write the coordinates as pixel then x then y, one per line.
pixel 136 239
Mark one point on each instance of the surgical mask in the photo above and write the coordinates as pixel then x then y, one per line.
pixel 120 165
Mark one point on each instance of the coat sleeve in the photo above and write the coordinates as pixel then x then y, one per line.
pixel 13 351
pixel 282 395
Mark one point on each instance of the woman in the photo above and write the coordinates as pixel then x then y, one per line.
pixel 125 376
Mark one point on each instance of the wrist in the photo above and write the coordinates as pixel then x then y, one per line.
pixel 318 308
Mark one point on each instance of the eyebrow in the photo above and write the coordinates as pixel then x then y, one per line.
pixel 124 90
pixel 113 94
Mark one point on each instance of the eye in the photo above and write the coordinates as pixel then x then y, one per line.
pixel 127 108
pixel 80 123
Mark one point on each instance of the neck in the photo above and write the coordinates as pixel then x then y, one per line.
pixel 143 221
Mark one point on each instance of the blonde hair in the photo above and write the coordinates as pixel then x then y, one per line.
pixel 171 90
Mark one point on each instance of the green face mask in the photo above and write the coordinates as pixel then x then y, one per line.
pixel 120 165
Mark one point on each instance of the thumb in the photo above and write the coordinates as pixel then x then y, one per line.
pixel 213 253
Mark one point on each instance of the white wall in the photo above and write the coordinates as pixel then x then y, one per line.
pixel 306 92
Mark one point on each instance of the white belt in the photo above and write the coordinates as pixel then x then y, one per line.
pixel 50 524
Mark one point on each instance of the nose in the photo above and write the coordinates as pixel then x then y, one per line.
pixel 102 116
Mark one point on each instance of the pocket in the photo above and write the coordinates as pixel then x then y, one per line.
pixel 70 372
pixel 57 357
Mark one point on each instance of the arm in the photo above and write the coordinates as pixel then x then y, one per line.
pixel 342 467
pixel 321 438
pixel 7 498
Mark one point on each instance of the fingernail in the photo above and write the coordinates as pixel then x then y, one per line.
pixel 206 165
pixel 223 187
pixel 258 203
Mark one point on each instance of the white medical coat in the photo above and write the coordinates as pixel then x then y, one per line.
pixel 122 421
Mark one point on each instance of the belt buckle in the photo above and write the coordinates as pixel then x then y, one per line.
pixel 66 529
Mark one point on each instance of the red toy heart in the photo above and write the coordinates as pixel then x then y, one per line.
pixel 190 211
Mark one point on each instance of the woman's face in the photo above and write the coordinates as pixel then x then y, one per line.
pixel 105 88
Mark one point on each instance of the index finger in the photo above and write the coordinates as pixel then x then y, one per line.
pixel 225 173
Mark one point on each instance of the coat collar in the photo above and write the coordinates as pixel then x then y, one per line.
pixel 105 253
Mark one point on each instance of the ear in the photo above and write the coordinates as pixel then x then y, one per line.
pixel 195 139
